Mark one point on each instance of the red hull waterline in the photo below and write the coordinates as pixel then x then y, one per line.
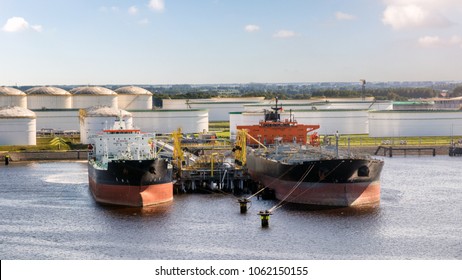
pixel 135 196
pixel 359 194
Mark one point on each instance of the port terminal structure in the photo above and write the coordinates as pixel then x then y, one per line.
pixel 208 164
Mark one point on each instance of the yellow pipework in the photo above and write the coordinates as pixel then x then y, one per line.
pixel 178 153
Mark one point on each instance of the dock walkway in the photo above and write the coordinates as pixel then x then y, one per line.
pixel 390 150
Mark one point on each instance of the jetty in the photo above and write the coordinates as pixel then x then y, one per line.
pixel 390 150
pixel 455 151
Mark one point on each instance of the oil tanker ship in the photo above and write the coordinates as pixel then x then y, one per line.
pixel 124 168
pixel 306 172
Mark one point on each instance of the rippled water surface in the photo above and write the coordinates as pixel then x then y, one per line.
pixel 47 212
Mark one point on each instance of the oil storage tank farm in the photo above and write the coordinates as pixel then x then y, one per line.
pixel 134 98
pixel 17 126
pixel 88 96
pixel 53 108
pixel 12 97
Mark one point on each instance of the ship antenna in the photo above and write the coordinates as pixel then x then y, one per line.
pixel 276 109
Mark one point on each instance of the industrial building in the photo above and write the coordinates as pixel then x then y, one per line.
pixel 57 110
pixel 376 118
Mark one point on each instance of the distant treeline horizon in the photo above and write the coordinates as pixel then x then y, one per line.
pixel 299 91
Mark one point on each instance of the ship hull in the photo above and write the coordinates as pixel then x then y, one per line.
pixel 135 183
pixel 335 182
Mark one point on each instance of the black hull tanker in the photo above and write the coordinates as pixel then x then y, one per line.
pixel 132 182
pixel 329 182
pixel 306 172
pixel 124 169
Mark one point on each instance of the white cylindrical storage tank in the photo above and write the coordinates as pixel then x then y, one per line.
pixel 167 121
pixel 58 119
pixel 134 98
pixel 17 126
pixel 331 121
pixel 12 97
pixel 243 118
pixel 93 120
pixel 218 110
pixel 85 97
pixel 415 123
pixel 48 98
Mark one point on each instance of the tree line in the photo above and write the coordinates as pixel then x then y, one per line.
pixel 397 94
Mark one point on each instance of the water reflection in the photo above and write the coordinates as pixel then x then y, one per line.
pixel 159 210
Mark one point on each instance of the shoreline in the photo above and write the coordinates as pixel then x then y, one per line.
pixel 82 154
pixel 46 155
pixel 370 150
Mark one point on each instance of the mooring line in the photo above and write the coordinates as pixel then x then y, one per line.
pixel 279 205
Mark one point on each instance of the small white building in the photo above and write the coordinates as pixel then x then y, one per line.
pixel 17 126
pixel 12 97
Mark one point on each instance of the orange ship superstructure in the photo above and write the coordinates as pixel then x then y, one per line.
pixel 287 131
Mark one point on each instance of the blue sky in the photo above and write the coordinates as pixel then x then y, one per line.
pixel 228 41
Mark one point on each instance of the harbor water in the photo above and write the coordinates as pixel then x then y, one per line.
pixel 47 212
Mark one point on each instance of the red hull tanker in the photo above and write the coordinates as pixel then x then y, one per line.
pixel 307 173
pixel 123 169
pixel 333 182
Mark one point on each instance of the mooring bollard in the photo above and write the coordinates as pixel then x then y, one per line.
pixel 7 159
pixel 264 216
pixel 243 204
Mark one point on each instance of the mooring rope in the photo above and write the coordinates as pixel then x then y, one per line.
pixel 280 204
pixel 293 188
pixel 272 182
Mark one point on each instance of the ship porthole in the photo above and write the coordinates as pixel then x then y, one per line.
pixel 363 171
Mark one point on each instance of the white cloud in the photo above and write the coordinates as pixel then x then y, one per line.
pixel 402 14
pixel 157 5
pixel 284 34
pixel 430 41
pixel 37 28
pixel 436 41
pixel 133 10
pixel 17 24
pixel 252 28
pixel 344 16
